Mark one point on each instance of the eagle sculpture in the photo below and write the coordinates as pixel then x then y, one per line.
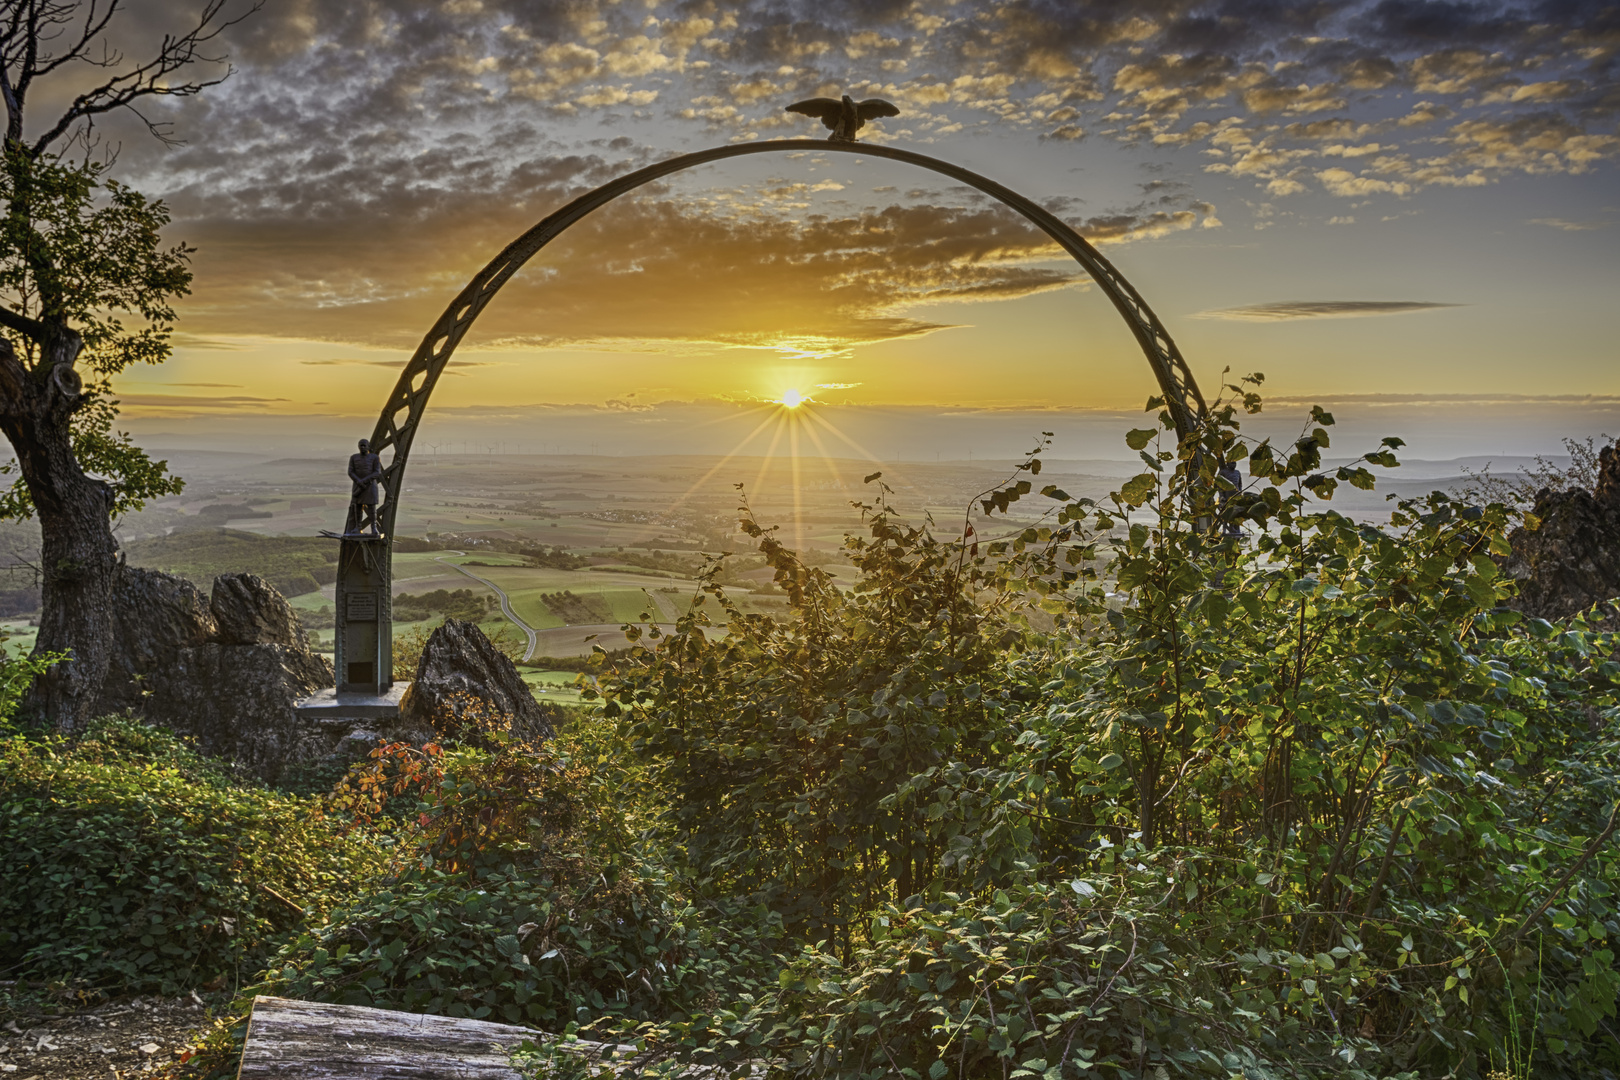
pixel 845 117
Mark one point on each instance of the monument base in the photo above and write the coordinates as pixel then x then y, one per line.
pixel 358 705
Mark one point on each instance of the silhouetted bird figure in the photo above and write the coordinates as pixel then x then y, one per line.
pixel 844 117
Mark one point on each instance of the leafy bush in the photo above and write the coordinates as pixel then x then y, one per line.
pixel 1093 976
pixel 130 862
pixel 779 747
pixel 521 893
pixel 1518 490
pixel 1352 810
pixel 17 674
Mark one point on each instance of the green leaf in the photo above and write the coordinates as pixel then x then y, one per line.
pixel 1139 489
pixel 1137 438
pixel 1110 761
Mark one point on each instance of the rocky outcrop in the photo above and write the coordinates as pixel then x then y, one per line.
pixel 1572 560
pixel 466 688
pixel 226 670
pixel 229 671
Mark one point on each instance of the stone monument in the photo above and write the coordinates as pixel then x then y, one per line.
pixel 365 641
pixel 363 649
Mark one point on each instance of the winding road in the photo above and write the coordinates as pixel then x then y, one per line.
pixel 500 594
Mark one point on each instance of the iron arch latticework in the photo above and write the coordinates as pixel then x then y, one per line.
pixel 400 416
pixel 364 630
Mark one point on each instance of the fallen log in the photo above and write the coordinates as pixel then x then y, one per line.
pixel 314 1041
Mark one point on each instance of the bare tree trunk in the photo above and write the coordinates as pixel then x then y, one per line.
pixel 78 555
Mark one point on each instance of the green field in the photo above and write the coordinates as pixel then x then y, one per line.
pixel 553 686
pixel 614 513
pixel 529 607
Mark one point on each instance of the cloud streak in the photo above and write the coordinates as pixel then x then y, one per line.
pixel 395 364
pixel 1284 310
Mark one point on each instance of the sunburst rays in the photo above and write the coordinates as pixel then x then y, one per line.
pixel 789 423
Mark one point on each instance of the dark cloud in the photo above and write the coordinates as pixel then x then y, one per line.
pixel 1321 309
pixel 644 268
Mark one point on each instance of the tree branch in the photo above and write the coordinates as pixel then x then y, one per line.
pixel 27 24
pixel 31 328
pixel 1591 849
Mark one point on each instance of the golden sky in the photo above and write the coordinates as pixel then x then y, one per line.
pixel 1356 198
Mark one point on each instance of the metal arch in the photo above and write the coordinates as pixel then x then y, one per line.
pixel 397 426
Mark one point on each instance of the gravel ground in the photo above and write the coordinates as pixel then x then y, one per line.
pixel 110 1041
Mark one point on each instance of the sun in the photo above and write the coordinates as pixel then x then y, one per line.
pixel 792 398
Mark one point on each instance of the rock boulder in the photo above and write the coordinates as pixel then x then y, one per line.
pixel 156 617
pixel 228 672
pixel 1572 560
pixel 249 611
pixel 237 701
pixel 465 687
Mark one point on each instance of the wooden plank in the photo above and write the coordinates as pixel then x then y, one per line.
pixel 314 1041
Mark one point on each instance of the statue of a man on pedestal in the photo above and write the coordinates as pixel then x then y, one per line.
pixel 366 471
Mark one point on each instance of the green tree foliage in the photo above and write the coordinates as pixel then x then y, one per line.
pixel 17 674
pixel 131 863
pixel 583 609
pixel 451 603
pixel 79 255
pixel 79 247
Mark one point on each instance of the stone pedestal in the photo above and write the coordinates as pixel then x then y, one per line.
pixel 364 644
pixel 332 703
